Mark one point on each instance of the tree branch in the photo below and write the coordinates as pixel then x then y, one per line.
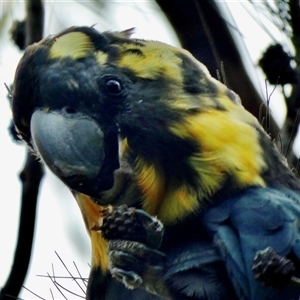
pixel 30 176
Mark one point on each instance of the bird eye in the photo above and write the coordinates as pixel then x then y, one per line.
pixel 113 87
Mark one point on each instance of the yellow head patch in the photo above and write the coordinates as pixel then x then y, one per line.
pixel 74 44
pixel 151 60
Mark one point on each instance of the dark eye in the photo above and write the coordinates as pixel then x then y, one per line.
pixel 113 86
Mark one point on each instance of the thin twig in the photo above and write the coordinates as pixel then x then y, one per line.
pixel 54 282
pixel 82 278
pixel 30 291
pixel 68 270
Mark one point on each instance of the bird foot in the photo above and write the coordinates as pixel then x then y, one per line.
pixel 274 270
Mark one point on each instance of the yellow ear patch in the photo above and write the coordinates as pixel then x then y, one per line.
pixel 74 44
pixel 229 147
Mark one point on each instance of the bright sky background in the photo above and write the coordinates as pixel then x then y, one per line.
pixel 59 224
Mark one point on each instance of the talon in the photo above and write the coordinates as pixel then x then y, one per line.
pixel 96 228
pixel 130 279
pixel 272 269
pixel 132 224
pixel 104 211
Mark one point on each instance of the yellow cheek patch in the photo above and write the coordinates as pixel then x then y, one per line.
pixel 74 44
pixel 91 214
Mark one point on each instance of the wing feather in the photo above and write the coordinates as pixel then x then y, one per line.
pixel 254 220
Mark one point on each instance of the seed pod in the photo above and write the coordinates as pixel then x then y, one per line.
pixel 128 223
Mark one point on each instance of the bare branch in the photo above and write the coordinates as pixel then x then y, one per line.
pixel 30 176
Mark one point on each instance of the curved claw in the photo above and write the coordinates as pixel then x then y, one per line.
pixel 272 269
pixel 137 250
pixel 128 223
pixel 130 279
pixel 153 227
pixel 137 265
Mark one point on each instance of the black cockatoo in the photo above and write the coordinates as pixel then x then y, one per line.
pixel 124 121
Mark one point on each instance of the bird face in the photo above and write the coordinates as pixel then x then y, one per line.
pixel 97 107
pixel 67 109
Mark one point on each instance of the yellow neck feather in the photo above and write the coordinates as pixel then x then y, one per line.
pixel 91 215
pixel 228 148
